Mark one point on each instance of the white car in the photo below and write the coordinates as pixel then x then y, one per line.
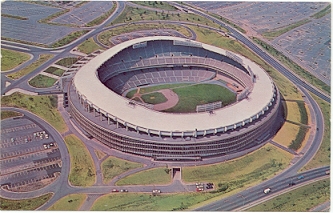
pixel 266 191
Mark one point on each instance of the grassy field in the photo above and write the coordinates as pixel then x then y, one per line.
pixel 191 96
pixel 42 81
pixel 99 154
pixel 287 134
pixel 15 17
pixel 26 70
pixel 294 67
pixel 69 38
pixel 298 200
pixel 55 71
pixel 9 114
pixel 132 14
pixel 11 59
pixel 104 37
pixel 67 62
pixel 293 112
pixel 89 46
pixel 272 34
pixel 147 202
pixel 287 89
pixel 156 4
pixel 154 98
pixel 24 204
pixel 147 177
pixel 112 166
pixel 245 171
pixel 83 172
pixel 323 156
pixel 322 13
pixel 70 202
pixel 44 106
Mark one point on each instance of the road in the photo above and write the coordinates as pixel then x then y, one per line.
pixel 61 187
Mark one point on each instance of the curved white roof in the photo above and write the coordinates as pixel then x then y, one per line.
pixel 87 83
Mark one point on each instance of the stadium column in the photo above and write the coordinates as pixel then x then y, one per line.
pixel 116 120
pixel 107 115
pixel 126 126
pixel 100 115
pixel 148 132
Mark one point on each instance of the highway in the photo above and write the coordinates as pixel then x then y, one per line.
pixel 277 184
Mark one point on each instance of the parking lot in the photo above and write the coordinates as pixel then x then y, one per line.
pixel 29 155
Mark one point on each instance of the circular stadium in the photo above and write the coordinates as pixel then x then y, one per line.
pixel 107 103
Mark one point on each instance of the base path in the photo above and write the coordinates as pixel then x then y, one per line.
pixel 172 100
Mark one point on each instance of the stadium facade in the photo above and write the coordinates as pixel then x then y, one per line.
pixel 97 104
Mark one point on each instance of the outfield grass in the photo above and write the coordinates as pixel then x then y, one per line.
pixel 9 114
pixel 156 4
pixel 150 89
pixel 11 59
pixel 89 46
pixel 147 202
pixel 131 93
pixel 191 96
pixel 286 88
pixel 154 98
pixel 293 113
pixel 24 204
pixel 83 172
pixel 42 81
pixel 44 106
pixel 71 202
pixel 55 71
pixel 104 37
pixel 67 62
pixel 294 67
pixel 272 34
pixel 322 157
pixel 26 70
pixel 244 171
pixel 148 177
pixel 112 166
pixel 287 134
pixel 132 14
pixel 298 200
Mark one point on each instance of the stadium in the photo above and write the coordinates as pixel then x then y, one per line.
pixel 99 106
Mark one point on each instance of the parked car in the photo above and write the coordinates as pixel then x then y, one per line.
pixel 300 177
pixel 115 190
pixel 292 184
pixel 266 191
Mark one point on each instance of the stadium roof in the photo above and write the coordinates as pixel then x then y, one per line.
pixel 87 83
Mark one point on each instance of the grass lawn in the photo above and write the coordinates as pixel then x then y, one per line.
pixel 42 81
pixel 287 89
pixel 113 166
pixel 322 13
pixel 67 62
pixel 131 93
pixel 323 156
pixel 132 14
pixel 24 204
pixel 191 96
pixel 244 171
pixel 298 200
pixel 293 112
pixel 89 46
pixel 99 154
pixel 149 89
pixel 147 202
pixel 9 114
pixel 147 177
pixel 11 59
pixel 287 134
pixel 156 4
pixel 44 106
pixel 69 38
pixel 103 17
pixel 83 172
pixel 104 37
pixel 154 98
pixel 26 70
pixel 55 71
pixel 70 202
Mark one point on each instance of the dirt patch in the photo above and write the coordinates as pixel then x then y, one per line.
pixel 172 100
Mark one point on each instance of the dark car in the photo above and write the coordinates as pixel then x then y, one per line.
pixel 292 184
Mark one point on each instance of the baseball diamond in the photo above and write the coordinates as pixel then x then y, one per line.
pixel 97 104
